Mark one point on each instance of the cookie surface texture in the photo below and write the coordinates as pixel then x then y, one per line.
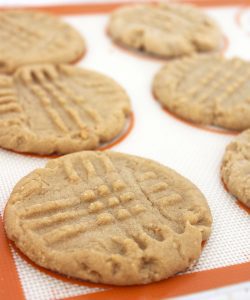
pixel 32 37
pixel 206 89
pixel 61 109
pixel 108 217
pixel 235 169
pixel 167 30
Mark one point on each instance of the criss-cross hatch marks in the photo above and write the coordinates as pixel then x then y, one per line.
pixel 105 198
pixel 225 79
pixel 8 101
pixel 33 37
pixel 109 194
pixel 16 34
pixel 164 29
pixel 108 201
pixel 76 109
pixel 55 92
pixel 161 18
pixel 103 213
pixel 47 93
pixel 206 89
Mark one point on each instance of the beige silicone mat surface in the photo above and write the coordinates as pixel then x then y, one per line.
pixel 193 152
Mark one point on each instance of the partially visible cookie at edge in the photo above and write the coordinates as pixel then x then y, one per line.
pixel 108 217
pixel 47 109
pixel 164 29
pixel 33 37
pixel 235 168
pixel 206 89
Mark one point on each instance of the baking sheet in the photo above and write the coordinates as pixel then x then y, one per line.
pixel 193 152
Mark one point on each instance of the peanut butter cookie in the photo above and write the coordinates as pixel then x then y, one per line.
pixel 108 217
pixel 235 169
pixel 206 89
pixel 32 37
pixel 48 109
pixel 164 29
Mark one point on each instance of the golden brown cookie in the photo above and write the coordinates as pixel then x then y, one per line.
pixel 235 169
pixel 164 29
pixel 48 109
pixel 108 217
pixel 32 37
pixel 206 89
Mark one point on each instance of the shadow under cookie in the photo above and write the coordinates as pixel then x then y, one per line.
pixel 117 140
pixel 238 202
pixel 208 128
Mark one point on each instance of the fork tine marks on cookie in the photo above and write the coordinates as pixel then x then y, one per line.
pixel 63 101
pixel 146 176
pixel 89 167
pixel 11 107
pixel 114 178
pixel 47 208
pixel 51 73
pixel 19 40
pixel 7 92
pixel 47 105
pixel 70 171
pixel 109 166
pixel 56 118
pixel 57 219
pixel 17 26
pixel 7 99
pixel 45 90
pixel 77 119
pixel 157 187
pixel 6 81
pixel 62 234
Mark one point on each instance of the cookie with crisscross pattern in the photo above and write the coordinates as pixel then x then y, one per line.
pixel 108 217
pixel 48 109
pixel 206 89
pixel 32 37
pixel 164 29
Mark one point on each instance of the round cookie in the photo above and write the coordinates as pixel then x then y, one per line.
pixel 108 217
pixel 61 109
pixel 32 37
pixel 164 29
pixel 206 89
pixel 235 169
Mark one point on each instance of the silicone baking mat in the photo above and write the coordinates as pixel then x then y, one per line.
pixel 192 151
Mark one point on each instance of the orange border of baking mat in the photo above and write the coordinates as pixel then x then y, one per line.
pixel 102 8
pixel 10 284
pixel 176 286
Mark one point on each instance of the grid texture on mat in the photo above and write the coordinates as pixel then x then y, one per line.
pixel 192 152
